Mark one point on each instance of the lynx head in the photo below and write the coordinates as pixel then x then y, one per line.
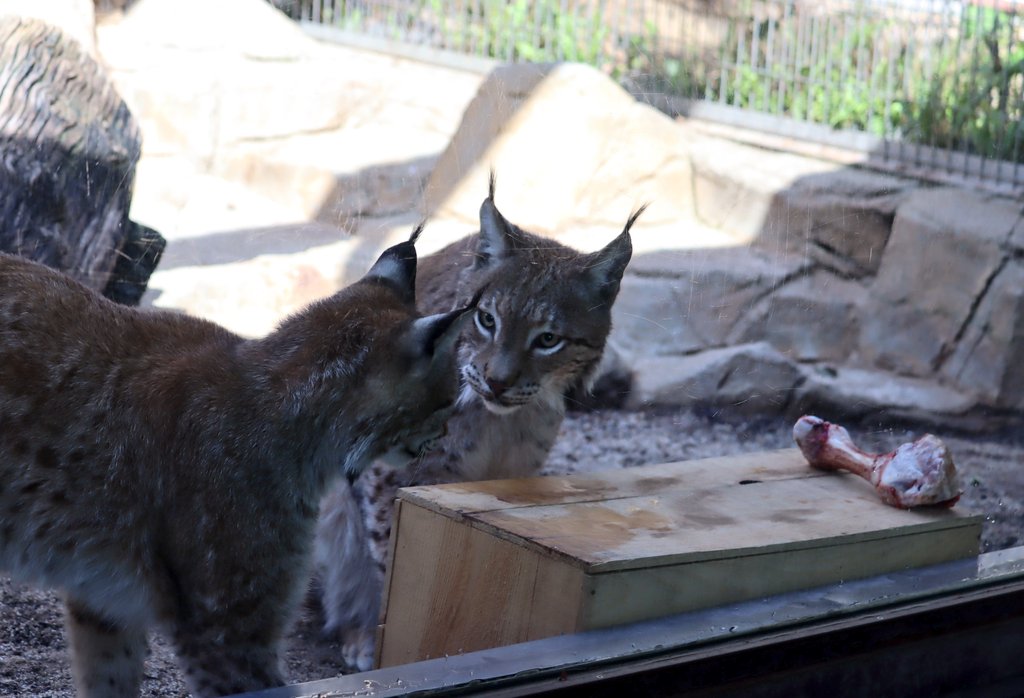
pixel 543 316
pixel 416 377
pixel 370 369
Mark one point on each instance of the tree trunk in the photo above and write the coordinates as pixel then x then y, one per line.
pixel 68 149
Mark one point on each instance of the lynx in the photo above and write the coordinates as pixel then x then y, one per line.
pixel 539 332
pixel 160 470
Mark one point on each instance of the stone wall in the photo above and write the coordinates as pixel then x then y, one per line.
pixel 877 294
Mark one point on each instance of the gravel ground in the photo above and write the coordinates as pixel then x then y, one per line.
pixel 33 658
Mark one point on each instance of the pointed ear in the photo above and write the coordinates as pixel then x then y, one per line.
pixel 437 334
pixel 496 236
pixel 606 266
pixel 397 265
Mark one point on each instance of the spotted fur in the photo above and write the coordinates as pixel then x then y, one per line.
pixel 160 470
pixel 540 327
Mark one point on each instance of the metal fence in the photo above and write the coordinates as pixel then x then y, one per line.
pixel 934 84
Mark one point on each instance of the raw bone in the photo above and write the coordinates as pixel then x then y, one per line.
pixel 915 474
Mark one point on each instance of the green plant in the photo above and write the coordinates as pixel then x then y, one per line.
pixel 537 31
pixel 964 93
pixel 972 100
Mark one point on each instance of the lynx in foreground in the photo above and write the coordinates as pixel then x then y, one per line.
pixel 539 331
pixel 159 469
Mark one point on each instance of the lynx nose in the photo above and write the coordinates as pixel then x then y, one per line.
pixel 497 386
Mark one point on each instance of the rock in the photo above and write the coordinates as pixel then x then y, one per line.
pixel 570 148
pixel 735 186
pixel 378 190
pixel 946 246
pixel 785 203
pixel 853 394
pixel 813 318
pixel 674 302
pixel 1017 236
pixel 749 378
pixel 69 147
pixel 496 102
pixel 248 281
pixel 988 358
pixel 317 130
pixel 185 202
pixel 75 18
pixel 201 86
pixel 650 317
pixel 842 219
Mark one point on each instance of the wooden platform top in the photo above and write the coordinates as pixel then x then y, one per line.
pixel 677 513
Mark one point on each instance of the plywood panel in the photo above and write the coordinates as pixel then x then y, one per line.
pixel 639 594
pixel 474 497
pixel 690 524
pixel 456 589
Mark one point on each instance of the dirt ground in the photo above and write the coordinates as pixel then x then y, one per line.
pixel 33 655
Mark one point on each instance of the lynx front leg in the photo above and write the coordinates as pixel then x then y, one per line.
pixel 106 658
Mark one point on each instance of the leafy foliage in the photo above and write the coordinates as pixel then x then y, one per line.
pixel 953 78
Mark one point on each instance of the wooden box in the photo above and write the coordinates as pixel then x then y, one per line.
pixel 483 564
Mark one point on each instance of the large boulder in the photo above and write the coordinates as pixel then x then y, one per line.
pixel 748 378
pixel 735 185
pixel 571 148
pixel 840 219
pixel 70 146
pixel 989 358
pixel 850 394
pixel 815 317
pixel 946 246
pixel 788 203
pixel 204 76
pixel 679 301
pixel 75 18
pixel 233 93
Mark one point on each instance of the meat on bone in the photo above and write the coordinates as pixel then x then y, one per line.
pixel 915 474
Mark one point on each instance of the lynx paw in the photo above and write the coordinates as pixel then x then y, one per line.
pixel 357 648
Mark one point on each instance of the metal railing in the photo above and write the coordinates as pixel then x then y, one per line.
pixel 935 84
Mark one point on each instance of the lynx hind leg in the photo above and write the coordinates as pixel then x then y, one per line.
pixel 349 579
pixel 215 667
pixel 358 647
pixel 106 658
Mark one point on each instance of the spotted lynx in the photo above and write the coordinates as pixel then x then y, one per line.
pixel 160 470
pixel 539 331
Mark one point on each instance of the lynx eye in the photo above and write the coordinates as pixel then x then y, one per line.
pixel 485 321
pixel 548 341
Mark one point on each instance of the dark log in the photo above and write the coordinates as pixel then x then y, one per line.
pixel 68 150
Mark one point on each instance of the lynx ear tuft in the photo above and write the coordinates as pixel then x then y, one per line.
pixel 497 238
pixel 633 216
pixel 416 232
pixel 397 265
